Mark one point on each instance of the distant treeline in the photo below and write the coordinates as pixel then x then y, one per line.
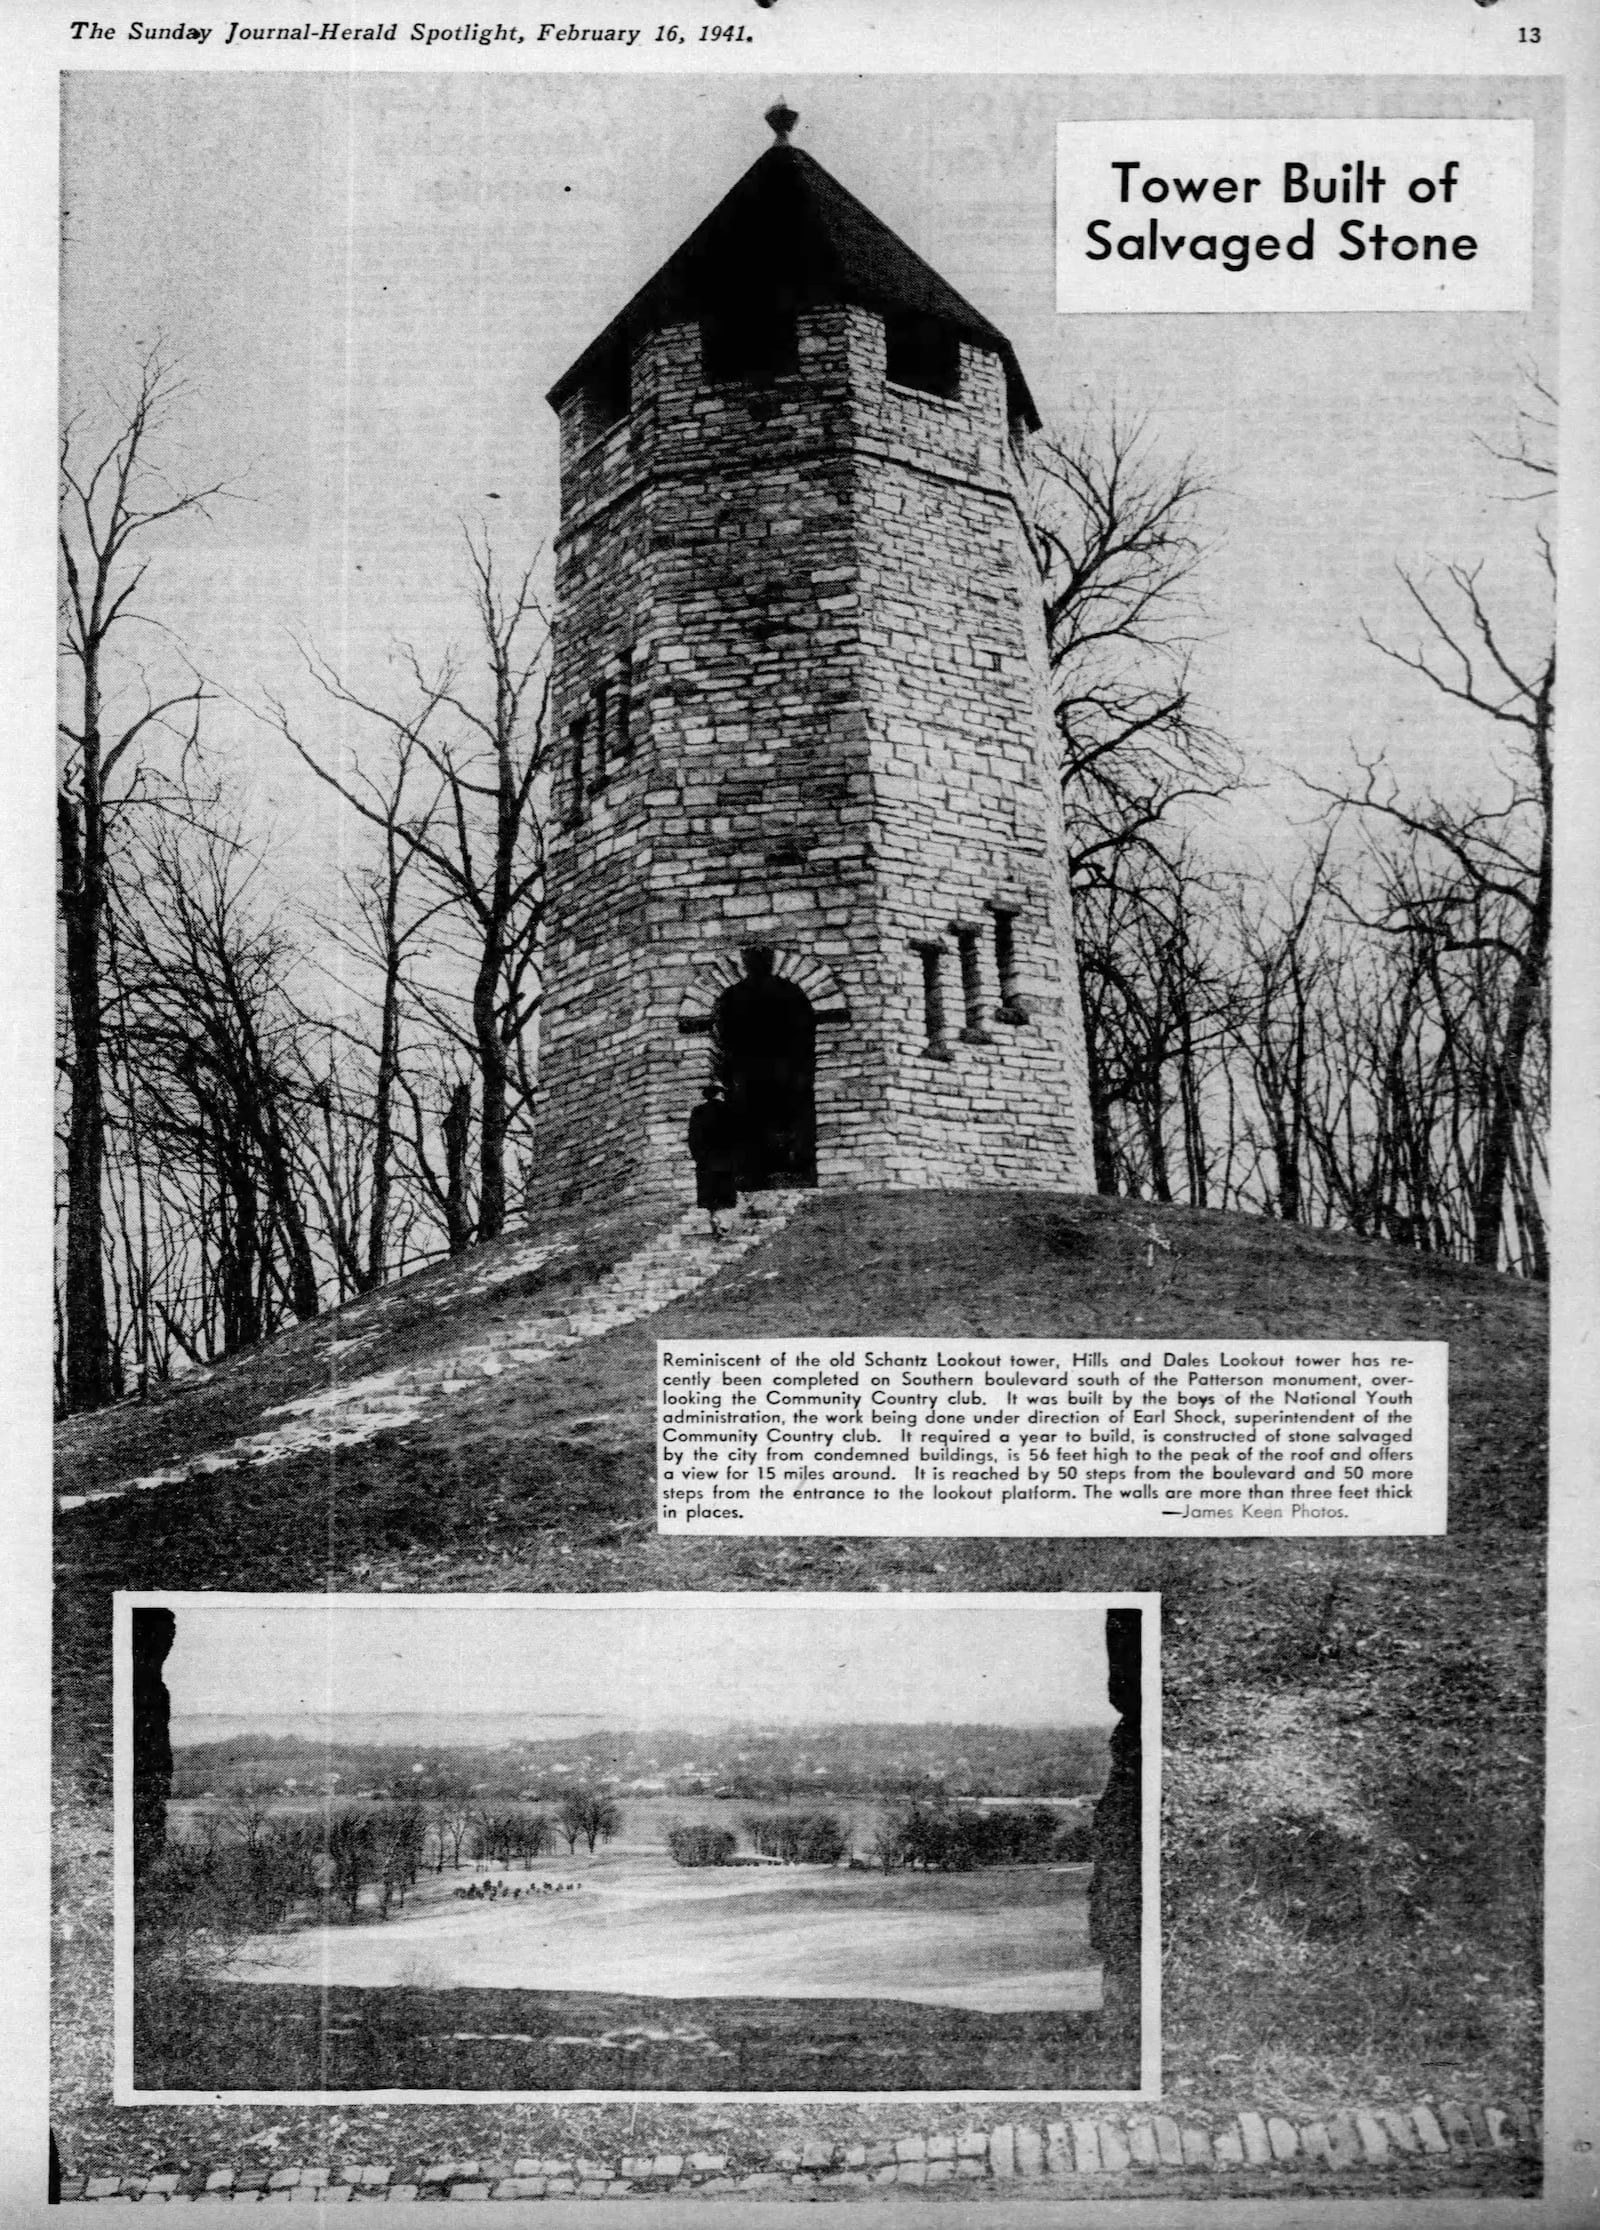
pixel 751 1767
pixel 253 1870
pixel 245 1863
pixel 935 1837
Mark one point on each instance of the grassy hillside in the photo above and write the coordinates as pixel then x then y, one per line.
pixel 1353 1731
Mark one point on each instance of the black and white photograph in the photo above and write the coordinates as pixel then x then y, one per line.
pixel 636 1843
pixel 723 709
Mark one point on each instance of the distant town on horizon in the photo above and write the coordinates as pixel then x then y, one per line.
pixel 731 1758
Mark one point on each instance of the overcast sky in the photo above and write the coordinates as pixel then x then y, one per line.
pixel 372 280
pixel 1021 1660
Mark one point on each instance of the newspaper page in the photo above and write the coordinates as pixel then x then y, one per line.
pixel 798 1054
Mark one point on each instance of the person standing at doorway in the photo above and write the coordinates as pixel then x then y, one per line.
pixel 714 1148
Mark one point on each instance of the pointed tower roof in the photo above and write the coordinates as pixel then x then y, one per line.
pixel 788 231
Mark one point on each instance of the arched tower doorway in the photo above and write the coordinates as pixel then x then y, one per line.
pixel 764 1054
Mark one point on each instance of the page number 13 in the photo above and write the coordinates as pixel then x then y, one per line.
pixel 1528 35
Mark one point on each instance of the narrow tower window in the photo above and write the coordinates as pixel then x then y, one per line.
pixel 971 984
pixel 578 738
pixel 922 352
pixel 1011 1007
pixel 937 1047
pixel 622 715
pixel 602 739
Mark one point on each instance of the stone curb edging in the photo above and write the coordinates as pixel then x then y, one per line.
pixel 1089 2145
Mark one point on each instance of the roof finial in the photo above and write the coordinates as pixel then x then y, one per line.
pixel 783 120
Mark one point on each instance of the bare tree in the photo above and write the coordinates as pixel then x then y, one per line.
pixel 207 1833
pixel 1362 1039
pixel 534 1836
pixel 248 1809
pixel 478 841
pixel 453 1814
pixel 1470 881
pixel 606 1821
pixel 350 1840
pixel 111 499
pixel 1277 1020
pixel 447 1190
pixel 572 1817
pixel 361 1141
pixel 1353 1085
pixel 213 1042
pixel 1156 997
pixel 589 1814
pixel 399 1831
pixel 1118 539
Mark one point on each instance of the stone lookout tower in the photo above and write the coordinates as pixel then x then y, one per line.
pixel 807 828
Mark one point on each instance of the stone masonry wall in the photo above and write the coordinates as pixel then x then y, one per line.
pixel 836 745
pixel 740 815
pixel 966 789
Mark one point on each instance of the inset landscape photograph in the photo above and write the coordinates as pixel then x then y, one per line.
pixel 737 1843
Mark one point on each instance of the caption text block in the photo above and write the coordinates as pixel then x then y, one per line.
pixel 1055 1437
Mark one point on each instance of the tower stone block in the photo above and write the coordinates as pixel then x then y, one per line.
pixel 807 829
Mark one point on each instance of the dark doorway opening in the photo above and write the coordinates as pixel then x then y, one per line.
pixel 765 1056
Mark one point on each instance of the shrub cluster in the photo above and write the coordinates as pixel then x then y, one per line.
pixel 701 1846
pixel 798 1838
pixel 937 1837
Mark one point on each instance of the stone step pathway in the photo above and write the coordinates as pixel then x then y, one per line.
pixel 1095 2145
pixel 675 1262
